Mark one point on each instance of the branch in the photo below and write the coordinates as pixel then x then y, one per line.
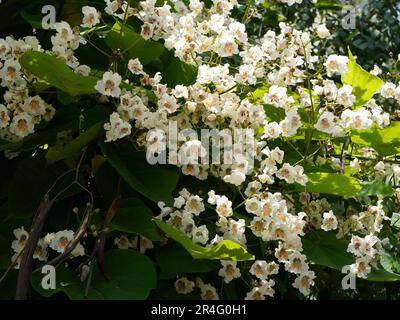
pixel 24 273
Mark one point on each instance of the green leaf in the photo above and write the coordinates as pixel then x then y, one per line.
pixel 134 217
pixel 323 248
pixel 76 145
pixel 131 276
pixel 154 182
pixel 225 250
pixel 385 141
pixel 382 275
pixel 55 72
pixel 178 72
pixel 34 20
pixel 174 260
pixel 364 84
pixel 333 183
pixel 67 282
pixel 132 44
pixel 31 180
pixel 376 188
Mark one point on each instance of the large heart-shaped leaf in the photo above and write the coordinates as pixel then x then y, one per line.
pixel 333 183
pixel 323 248
pixel 155 182
pixel 224 250
pixel 385 141
pixel 173 260
pixel 56 73
pixel 134 217
pixel 131 276
pixel 364 84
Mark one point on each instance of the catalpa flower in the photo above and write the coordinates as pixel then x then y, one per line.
pixel 91 17
pixel 109 85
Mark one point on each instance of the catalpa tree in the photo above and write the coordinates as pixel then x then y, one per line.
pixel 186 150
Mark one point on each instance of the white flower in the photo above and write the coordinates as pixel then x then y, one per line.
pixel 64 31
pixel 361 267
pixel 40 252
pixel 60 241
pixel 200 234
pixel 272 130
pixel 255 294
pixel 135 66
pixel 253 205
pixel 180 91
pixel 22 125
pixel 236 177
pixel 194 205
pixel 376 71
pixel 123 243
pixel 109 85
pixel 82 70
pixel 229 271
pixel 300 177
pixel 330 221
pixel 4 117
pixel 322 31
pixel 5 49
pixel 291 123
pixel 208 292
pixel 34 106
pixel 296 263
pixel 90 17
pixel 388 90
pixel 252 188
pixel 184 286
pixel 277 96
pixel 336 65
pixel 22 236
pixel 179 202
pixel 355 165
pixel 325 122
pixel 287 173
pixel 116 128
pixel 329 90
pixel 344 96
pixel 9 72
pixel 304 281
pixel 224 206
pixel 267 287
pixel 168 103
pixel 145 244
pixel 260 269
pixel 239 31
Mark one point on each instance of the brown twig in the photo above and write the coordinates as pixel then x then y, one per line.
pixel 24 273
pixel 73 243
pixel 101 238
pixel 25 270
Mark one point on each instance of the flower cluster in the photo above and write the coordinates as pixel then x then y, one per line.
pixel 58 242
pixel 20 112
